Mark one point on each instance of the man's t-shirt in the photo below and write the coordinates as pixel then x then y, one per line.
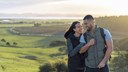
pixel 108 36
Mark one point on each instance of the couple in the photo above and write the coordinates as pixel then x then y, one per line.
pixel 89 51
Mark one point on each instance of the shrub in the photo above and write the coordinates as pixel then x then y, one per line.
pixel 120 63
pixel 8 44
pixel 14 43
pixel 47 67
pixel 37 24
pixel 57 43
pixel 3 67
pixel 61 66
pixel 3 40
pixel 63 49
pixel 56 66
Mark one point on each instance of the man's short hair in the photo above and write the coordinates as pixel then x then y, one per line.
pixel 88 17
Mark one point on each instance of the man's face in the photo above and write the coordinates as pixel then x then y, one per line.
pixel 88 24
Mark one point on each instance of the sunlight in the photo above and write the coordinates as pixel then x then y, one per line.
pixel 96 7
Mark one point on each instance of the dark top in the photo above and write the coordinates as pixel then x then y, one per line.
pixel 72 50
pixel 75 59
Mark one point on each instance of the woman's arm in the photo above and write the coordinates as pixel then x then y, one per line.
pixel 86 46
pixel 72 51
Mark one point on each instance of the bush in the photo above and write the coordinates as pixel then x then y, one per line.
pixel 63 49
pixel 57 66
pixel 120 63
pixel 48 67
pixel 14 43
pixel 3 40
pixel 8 44
pixel 61 66
pixel 37 24
pixel 57 43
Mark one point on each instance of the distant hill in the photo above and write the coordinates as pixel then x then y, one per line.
pixel 2 15
pixel 118 25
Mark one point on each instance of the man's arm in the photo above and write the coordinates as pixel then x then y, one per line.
pixel 109 46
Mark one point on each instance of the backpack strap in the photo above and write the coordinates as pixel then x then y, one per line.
pixel 85 37
pixel 102 34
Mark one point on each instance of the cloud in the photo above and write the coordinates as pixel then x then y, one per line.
pixel 6 4
pixel 97 7
pixel 59 7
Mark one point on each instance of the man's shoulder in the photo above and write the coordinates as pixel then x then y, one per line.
pixel 106 31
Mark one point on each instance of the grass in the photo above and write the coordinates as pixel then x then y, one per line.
pixel 27 41
pixel 10 58
pixel 30 41
pixel 12 63
pixel 16 25
pixel 46 30
pixel 27 45
pixel 38 46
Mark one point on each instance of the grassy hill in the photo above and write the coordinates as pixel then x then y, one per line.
pixel 20 59
pixel 33 43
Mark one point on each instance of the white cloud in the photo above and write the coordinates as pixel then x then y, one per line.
pixel 97 7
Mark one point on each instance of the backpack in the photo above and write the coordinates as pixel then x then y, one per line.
pixel 103 36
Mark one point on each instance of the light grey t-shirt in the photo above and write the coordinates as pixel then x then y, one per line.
pixel 108 36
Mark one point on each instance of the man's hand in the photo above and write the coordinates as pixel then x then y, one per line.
pixel 86 46
pixel 101 65
pixel 91 42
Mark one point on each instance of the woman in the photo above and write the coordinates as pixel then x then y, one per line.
pixel 75 59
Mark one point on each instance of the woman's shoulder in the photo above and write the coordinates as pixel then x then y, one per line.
pixel 70 36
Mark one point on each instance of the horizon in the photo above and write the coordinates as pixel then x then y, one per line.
pixel 51 16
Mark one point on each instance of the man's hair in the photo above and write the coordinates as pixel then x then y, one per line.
pixel 88 17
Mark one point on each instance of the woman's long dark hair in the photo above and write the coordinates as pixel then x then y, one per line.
pixel 70 30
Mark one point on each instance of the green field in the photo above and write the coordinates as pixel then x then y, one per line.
pixel 13 58
pixel 33 43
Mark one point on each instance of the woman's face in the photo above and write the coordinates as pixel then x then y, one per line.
pixel 78 28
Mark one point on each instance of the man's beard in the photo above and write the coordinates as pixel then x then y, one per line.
pixel 87 28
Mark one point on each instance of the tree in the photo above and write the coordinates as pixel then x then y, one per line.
pixel 8 44
pixel 14 43
pixel 3 40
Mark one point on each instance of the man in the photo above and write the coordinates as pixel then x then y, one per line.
pixel 96 60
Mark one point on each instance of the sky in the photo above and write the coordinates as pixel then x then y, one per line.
pixel 73 7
